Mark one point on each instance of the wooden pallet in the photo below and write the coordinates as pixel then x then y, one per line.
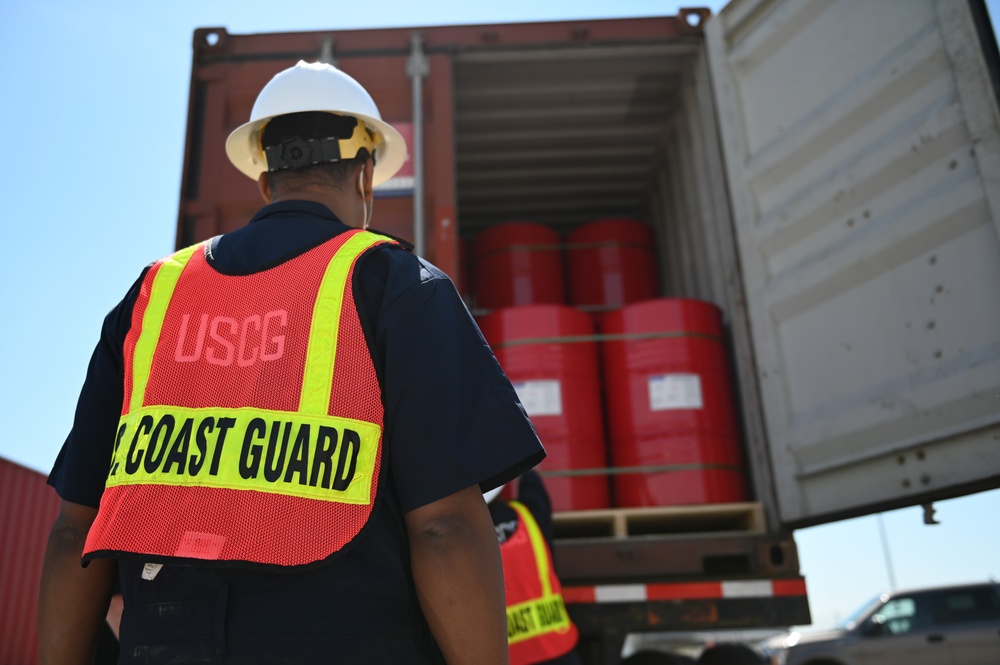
pixel 621 523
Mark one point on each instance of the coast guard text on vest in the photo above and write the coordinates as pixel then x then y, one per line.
pixel 239 449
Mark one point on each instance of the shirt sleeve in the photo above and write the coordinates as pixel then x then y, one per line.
pixel 452 418
pixel 81 467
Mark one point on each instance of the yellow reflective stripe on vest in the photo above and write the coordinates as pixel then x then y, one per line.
pixel 540 615
pixel 538 546
pixel 317 380
pixel 306 453
pixel 315 457
pixel 152 320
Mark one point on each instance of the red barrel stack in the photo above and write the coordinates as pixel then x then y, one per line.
pixel 666 394
pixel 670 405
pixel 549 353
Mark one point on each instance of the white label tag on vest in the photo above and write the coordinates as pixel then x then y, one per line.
pixel 150 570
pixel 674 391
pixel 540 398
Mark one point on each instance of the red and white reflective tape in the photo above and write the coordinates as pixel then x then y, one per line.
pixel 631 593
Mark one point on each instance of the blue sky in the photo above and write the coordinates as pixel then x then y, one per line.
pixel 93 116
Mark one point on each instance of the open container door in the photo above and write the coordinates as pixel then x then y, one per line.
pixel 863 158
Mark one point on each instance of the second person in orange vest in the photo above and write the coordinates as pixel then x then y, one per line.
pixel 539 629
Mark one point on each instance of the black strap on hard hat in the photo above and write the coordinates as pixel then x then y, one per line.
pixel 293 151
pixel 296 153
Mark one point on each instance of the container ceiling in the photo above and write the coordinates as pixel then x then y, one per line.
pixel 561 136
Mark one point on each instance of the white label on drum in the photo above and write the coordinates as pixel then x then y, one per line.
pixel 674 391
pixel 540 398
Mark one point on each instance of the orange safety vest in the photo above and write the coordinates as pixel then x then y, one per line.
pixel 251 426
pixel 538 627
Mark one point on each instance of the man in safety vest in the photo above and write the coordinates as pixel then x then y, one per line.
pixel 285 431
pixel 539 629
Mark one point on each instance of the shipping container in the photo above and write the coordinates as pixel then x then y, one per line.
pixel 827 174
pixel 29 507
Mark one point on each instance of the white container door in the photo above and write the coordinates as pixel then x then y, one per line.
pixel 862 153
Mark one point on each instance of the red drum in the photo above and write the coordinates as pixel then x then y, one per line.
pixel 548 353
pixel 611 262
pixel 519 263
pixel 670 405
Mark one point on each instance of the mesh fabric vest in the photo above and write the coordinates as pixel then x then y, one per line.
pixel 251 427
pixel 538 627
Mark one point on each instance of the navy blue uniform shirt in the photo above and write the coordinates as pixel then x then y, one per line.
pixel 452 420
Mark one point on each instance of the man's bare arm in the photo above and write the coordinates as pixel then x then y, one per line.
pixel 459 577
pixel 73 601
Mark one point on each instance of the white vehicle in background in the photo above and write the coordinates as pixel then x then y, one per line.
pixel 955 625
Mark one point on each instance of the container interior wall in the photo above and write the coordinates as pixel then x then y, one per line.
pixel 564 136
pixel 690 209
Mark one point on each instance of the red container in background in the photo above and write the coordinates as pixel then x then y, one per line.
pixel 611 263
pixel 670 403
pixel 556 376
pixel 28 507
pixel 519 263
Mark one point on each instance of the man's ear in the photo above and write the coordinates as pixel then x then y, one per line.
pixel 367 173
pixel 264 185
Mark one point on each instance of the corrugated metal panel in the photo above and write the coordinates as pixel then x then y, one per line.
pixel 27 509
pixel 864 162
pixel 562 135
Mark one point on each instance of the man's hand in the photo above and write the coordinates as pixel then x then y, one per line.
pixel 459 577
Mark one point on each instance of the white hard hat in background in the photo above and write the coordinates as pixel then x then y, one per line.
pixel 314 87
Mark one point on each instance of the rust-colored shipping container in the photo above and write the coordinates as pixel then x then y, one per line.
pixel 804 170
pixel 558 123
pixel 476 78
pixel 27 509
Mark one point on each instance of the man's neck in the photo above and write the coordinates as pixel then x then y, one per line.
pixel 334 199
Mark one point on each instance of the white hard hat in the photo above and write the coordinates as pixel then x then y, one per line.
pixel 492 494
pixel 314 87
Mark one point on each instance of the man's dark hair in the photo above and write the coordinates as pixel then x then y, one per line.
pixel 312 125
